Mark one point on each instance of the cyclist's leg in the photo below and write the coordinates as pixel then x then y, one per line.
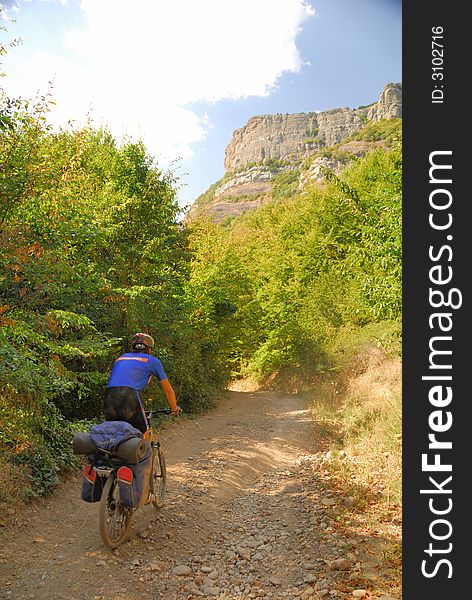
pixel 122 403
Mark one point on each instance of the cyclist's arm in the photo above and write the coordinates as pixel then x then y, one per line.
pixel 170 395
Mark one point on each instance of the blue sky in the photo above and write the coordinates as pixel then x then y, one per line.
pixel 183 74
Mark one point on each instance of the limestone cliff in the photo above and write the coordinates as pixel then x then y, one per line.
pixel 292 137
pixel 272 137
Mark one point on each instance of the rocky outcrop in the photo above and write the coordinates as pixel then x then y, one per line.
pixel 359 147
pixel 315 173
pixel 253 182
pixel 337 125
pixel 390 104
pixel 292 137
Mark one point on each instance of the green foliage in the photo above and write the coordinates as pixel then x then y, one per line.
pixel 373 131
pixel 313 132
pixel 90 252
pixel 364 106
pixel 308 267
pixel 285 184
pixel 273 164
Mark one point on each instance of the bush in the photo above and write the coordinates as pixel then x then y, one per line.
pixel 374 131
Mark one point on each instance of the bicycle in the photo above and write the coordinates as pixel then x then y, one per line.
pixel 114 516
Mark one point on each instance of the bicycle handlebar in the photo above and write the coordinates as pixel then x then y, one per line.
pixel 164 411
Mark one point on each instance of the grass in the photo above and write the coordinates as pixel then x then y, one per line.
pixel 358 414
pixel 361 410
pixel 373 425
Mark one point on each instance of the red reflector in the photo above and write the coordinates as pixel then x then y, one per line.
pixel 125 474
pixel 90 473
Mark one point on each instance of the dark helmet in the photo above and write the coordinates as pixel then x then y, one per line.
pixel 142 341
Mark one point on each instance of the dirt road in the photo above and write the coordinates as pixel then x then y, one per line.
pixel 249 513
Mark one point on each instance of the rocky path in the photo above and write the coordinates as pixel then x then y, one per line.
pixel 250 513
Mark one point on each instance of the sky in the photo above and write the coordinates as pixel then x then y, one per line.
pixel 182 75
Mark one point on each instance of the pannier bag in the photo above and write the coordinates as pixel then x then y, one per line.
pixel 133 481
pixel 116 440
pixel 92 485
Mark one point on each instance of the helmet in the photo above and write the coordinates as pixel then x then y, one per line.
pixel 142 341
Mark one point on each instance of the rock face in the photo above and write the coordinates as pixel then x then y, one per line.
pixel 390 104
pixel 292 137
pixel 315 172
pixel 336 125
pixel 272 137
pixel 252 182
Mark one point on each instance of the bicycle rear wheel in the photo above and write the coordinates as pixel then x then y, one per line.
pixel 115 520
pixel 157 483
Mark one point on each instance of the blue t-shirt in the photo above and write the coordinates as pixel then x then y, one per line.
pixel 135 370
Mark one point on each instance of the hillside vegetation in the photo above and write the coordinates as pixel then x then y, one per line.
pixel 311 270
pixel 90 252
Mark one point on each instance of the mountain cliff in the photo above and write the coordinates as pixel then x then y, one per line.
pixel 271 145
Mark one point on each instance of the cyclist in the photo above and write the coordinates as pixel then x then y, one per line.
pixel 131 373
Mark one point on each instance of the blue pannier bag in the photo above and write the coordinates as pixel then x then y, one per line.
pixel 92 485
pixel 133 481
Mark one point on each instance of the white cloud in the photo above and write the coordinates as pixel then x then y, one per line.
pixel 137 64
